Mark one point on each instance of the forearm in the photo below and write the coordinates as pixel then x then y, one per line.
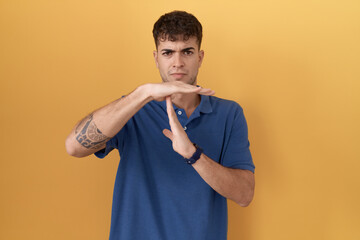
pixel 235 184
pixel 92 132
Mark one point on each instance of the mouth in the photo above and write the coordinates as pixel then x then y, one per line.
pixel 178 75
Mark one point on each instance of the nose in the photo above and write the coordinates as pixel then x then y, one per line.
pixel 178 61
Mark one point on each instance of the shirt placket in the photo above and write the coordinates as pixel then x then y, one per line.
pixel 183 119
pixel 181 114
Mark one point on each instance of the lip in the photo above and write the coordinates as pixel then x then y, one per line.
pixel 178 75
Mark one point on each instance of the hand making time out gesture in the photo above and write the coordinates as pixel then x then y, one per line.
pixel 180 141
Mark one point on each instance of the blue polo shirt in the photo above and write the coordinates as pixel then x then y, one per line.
pixel 157 196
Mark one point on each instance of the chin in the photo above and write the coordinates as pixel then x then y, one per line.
pixel 184 80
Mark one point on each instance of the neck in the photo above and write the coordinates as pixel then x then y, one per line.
pixel 188 101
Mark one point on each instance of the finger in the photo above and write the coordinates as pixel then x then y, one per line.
pixel 173 120
pixel 183 85
pixel 170 111
pixel 168 134
pixel 169 107
pixel 206 91
pixel 187 88
pixel 200 90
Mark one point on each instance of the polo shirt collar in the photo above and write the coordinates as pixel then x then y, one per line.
pixel 204 106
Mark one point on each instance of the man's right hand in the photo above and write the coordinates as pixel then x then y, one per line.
pixel 92 133
pixel 159 91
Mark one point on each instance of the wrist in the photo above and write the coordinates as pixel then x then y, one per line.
pixel 145 92
pixel 190 151
pixel 195 156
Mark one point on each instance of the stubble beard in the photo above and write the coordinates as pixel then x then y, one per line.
pixel 191 82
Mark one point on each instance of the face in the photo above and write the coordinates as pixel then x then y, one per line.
pixel 179 60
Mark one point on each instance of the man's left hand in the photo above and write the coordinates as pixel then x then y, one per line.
pixel 180 141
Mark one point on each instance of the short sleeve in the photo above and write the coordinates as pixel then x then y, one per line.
pixel 237 150
pixel 115 142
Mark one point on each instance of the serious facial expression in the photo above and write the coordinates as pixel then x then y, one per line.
pixel 179 60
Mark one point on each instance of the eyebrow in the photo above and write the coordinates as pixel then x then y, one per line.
pixel 182 50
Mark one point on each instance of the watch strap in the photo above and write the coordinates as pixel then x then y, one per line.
pixel 195 156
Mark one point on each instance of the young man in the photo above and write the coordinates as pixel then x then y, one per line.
pixel 183 151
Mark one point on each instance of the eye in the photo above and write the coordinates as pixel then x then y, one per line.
pixel 167 53
pixel 188 52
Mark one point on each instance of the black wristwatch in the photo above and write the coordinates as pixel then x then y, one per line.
pixel 195 156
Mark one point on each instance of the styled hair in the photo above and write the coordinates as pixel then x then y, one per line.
pixel 177 23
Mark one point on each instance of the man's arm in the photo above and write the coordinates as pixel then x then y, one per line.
pixel 235 184
pixel 91 133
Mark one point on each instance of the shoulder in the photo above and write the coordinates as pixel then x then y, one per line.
pixel 225 105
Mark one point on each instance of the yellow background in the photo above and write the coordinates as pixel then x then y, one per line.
pixel 294 66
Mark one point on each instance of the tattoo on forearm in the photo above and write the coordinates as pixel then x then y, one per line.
pixel 80 123
pixel 90 136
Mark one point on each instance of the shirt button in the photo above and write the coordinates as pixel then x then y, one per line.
pixel 179 112
pixel 185 128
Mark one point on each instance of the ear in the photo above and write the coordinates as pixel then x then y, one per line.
pixel 201 57
pixel 155 53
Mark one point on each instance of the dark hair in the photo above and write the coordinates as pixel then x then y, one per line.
pixel 177 23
